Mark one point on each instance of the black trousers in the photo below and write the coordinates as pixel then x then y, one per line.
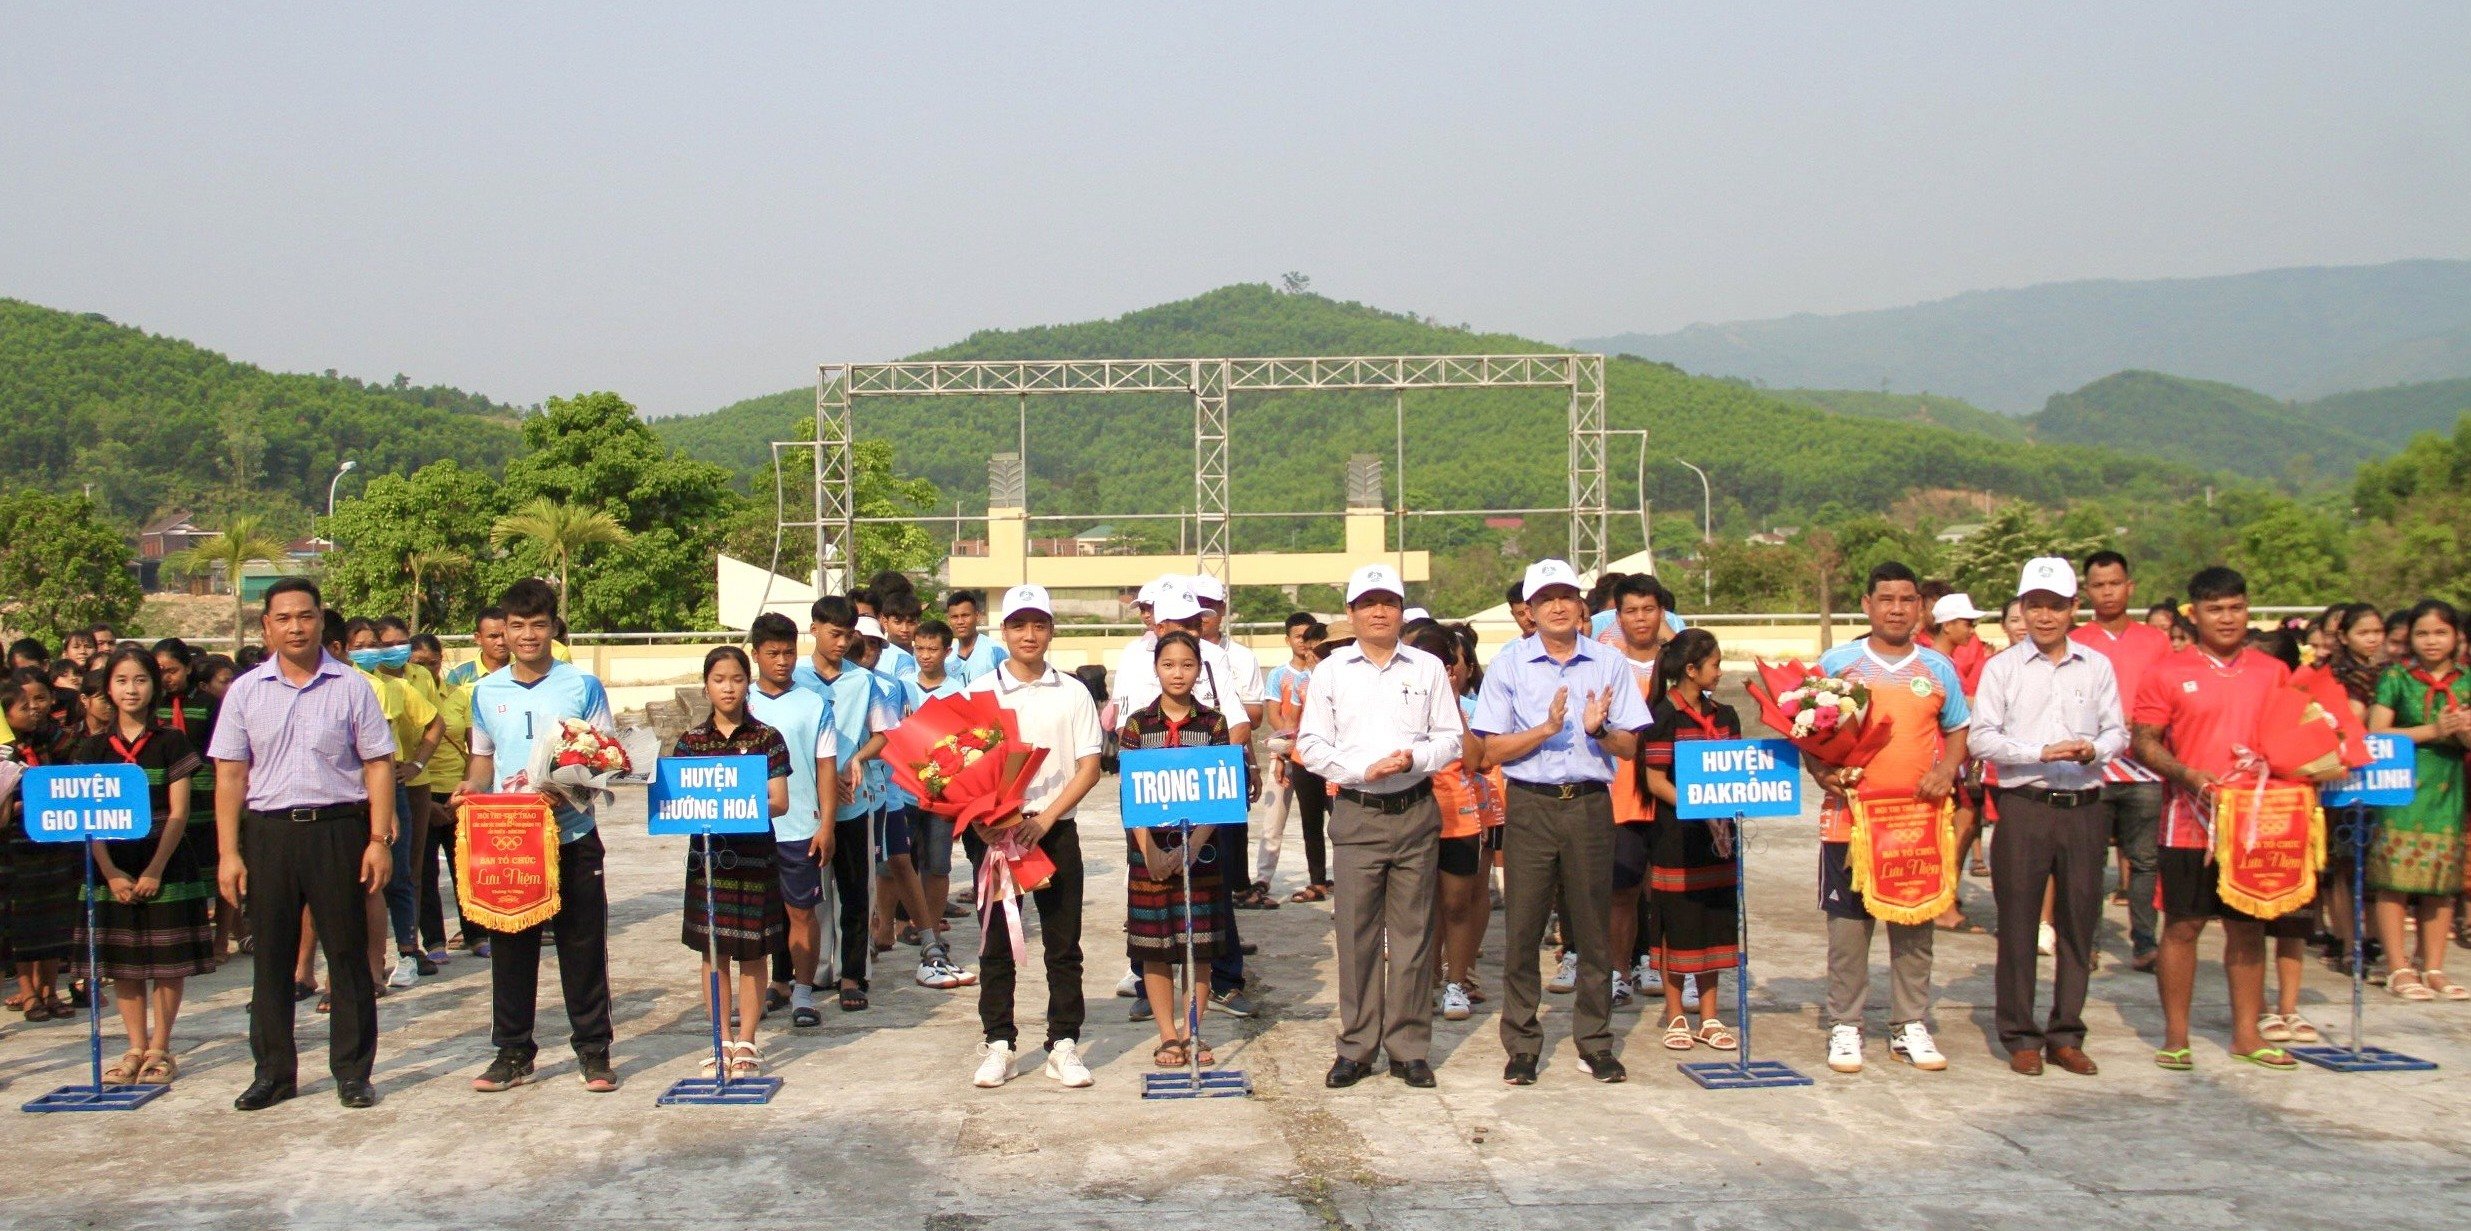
pixel 2033 845
pixel 1312 798
pixel 314 864
pixel 853 875
pixel 1059 940
pixel 425 872
pixel 1228 843
pixel 582 926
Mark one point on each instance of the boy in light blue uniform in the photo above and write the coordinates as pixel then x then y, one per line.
pixel 850 697
pixel 969 655
pixel 801 847
pixel 896 698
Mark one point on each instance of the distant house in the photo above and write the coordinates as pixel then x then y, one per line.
pixel 1505 523
pixel 170 535
pixel 1094 541
pixel 1959 532
pixel 1768 538
pixel 308 550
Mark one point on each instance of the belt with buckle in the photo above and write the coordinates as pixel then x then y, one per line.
pixel 1560 790
pixel 303 816
pixel 2082 797
pixel 1393 802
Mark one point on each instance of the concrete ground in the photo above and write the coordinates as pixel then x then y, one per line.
pixel 879 1127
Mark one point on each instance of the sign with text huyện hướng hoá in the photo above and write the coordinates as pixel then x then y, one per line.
pixel 692 795
pixel 1168 786
pixel 1719 779
pixel 73 803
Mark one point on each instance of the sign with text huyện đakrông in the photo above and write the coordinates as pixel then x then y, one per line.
pixel 1719 779
pixel 2386 781
pixel 1167 786
pixel 692 795
pixel 73 803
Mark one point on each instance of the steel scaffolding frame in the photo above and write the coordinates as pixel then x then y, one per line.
pixel 1210 383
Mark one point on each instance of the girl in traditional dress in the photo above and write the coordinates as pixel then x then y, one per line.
pixel 38 892
pixel 1690 863
pixel 747 918
pixel 1161 868
pixel 2425 698
pixel 151 927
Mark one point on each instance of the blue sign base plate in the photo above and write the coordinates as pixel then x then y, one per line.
pixel 97 1098
pixel 2365 1060
pixel 721 1092
pixel 1212 1083
pixel 1756 1075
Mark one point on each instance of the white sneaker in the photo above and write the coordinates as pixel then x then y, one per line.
pixel 1845 1048
pixel 1566 978
pixel 2046 940
pixel 994 1065
pixel 1064 1064
pixel 1621 991
pixel 1646 978
pixel 405 974
pixel 1455 1007
pixel 1130 987
pixel 935 970
pixel 1911 1044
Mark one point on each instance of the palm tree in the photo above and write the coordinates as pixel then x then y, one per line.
pixel 244 537
pixel 430 560
pixel 561 531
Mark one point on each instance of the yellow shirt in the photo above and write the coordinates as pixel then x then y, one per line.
pixel 407 712
pixel 447 765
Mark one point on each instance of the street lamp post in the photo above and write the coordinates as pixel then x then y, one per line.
pixel 1707 536
pixel 340 471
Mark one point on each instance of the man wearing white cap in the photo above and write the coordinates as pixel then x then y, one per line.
pixel 2047 713
pixel 1380 718
pixel 1952 621
pixel 1055 713
pixel 1557 710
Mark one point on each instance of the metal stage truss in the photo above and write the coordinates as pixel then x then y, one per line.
pixel 1210 383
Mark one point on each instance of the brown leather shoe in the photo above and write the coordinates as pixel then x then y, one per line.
pixel 2074 1060
pixel 2025 1063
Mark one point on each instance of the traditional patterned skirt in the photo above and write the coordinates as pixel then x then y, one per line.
pixel 746 898
pixel 170 937
pixel 1155 915
pixel 1691 886
pixel 2418 847
pixel 42 905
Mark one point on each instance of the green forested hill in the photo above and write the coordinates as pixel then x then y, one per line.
pixel 2393 415
pixel 1927 409
pixel 151 422
pixel 2205 423
pixel 1770 458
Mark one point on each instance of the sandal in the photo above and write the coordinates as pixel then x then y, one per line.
pixel 746 1060
pixel 1713 1033
pixel 2302 1030
pixel 1206 1058
pixel 1474 990
pixel 2405 982
pixel 2175 1059
pixel 1170 1054
pixel 2443 988
pixel 853 999
pixel 124 1070
pixel 1964 925
pixel 2273 1028
pixel 1310 893
pixel 2273 1058
pixel 159 1069
pixel 1677 1034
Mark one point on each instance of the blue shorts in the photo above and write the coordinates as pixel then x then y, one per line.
pixel 802 876
pixel 930 843
pixel 892 833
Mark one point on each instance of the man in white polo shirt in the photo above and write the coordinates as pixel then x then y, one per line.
pixel 1055 713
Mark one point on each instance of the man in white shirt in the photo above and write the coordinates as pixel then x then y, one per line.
pixel 1055 713
pixel 1380 718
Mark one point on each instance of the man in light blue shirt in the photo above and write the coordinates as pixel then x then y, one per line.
pixel 1557 711
pixel 850 695
pixel 972 655
pixel 802 846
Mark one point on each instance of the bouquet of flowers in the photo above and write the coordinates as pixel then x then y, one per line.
pixel 575 766
pixel 963 757
pixel 1826 717
pixel 2301 739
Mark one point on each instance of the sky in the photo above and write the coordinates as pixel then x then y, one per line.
pixel 693 204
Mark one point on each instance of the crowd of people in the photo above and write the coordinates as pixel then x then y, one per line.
pixel 306 794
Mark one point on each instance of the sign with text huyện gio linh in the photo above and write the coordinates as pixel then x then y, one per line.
pixel 1719 779
pixel 72 803
pixel 692 795
pixel 1168 786
pixel 2386 781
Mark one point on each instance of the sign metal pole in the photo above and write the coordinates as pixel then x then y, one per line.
pixel 1778 760
pixel 94 1095
pixel 1194 1081
pixel 720 1089
pixel 2359 1057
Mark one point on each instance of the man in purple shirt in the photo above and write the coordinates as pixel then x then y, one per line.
pixel 305 816
pixel 1557 712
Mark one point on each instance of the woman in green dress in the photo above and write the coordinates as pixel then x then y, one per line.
pixel 2425 698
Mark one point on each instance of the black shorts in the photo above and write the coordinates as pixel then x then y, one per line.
pixel 1462 856
pixel 2191 890
pixel 1629 856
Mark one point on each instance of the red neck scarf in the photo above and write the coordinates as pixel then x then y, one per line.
pixel 2440 689
pixel 1705 722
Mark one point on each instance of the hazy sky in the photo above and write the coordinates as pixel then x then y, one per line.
pixel 691 208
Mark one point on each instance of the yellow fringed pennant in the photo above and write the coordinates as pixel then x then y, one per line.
pixel 2269 845
pixel 1904 857
pixel 506 861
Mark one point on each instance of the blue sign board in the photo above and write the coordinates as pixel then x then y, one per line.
pixel 1719 779
pixel 692 795
pixel 72 803
pixel 2386 781
pixel 1164 786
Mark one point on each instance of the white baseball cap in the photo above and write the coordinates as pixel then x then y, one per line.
pixel 869 626
pixel 1207 588
pixel 1375 579
pixel 1174 602
pixel 1026 598
pixel 1545 574
pixel 1413 614
pixel 1148 597
pixel 2048 573
pixel 1957 606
